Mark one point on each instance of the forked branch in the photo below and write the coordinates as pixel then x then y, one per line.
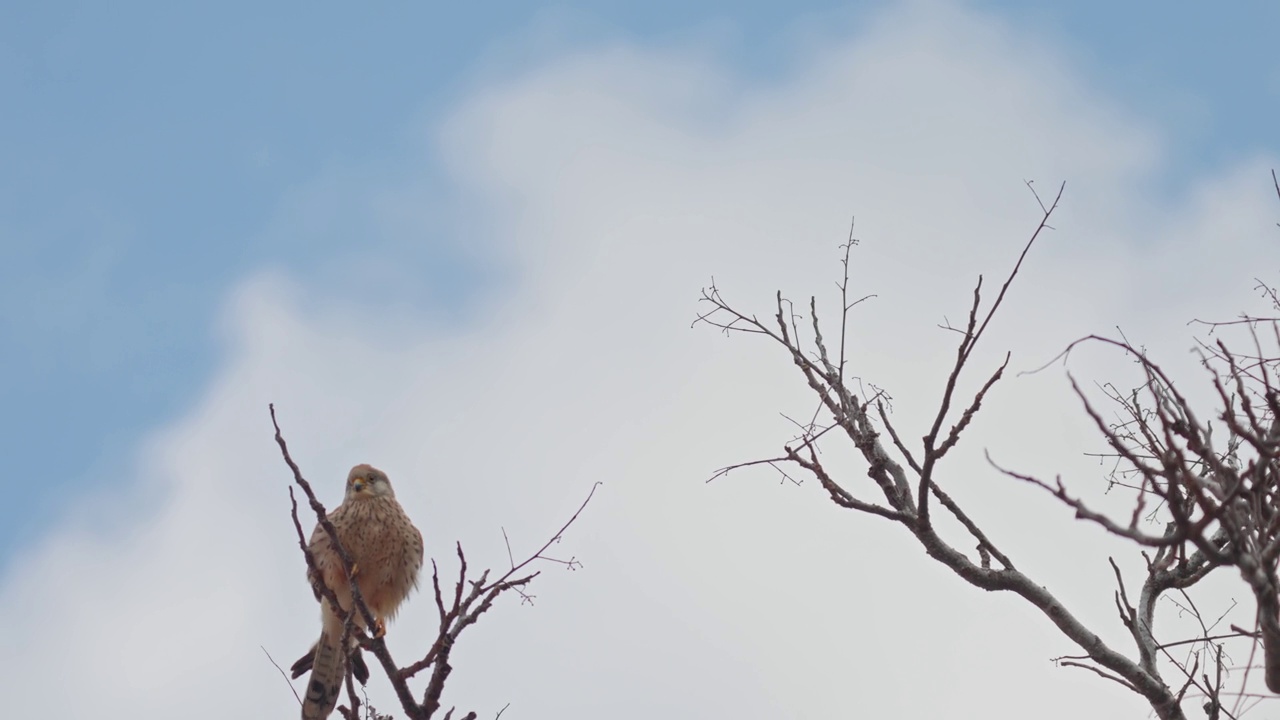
pixel 908 478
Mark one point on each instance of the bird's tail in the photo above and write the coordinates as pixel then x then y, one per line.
pixel 325 682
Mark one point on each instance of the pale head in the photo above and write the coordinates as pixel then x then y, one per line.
pixel 365 482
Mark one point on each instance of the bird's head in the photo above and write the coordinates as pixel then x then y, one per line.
pixel 365 482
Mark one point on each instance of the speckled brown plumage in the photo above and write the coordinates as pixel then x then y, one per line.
pixel 387 551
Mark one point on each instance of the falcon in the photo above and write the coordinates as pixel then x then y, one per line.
pixel 386 552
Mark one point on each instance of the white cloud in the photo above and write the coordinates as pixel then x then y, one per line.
pixel 617 182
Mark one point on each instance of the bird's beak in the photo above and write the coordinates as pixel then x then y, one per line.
pixel 357 485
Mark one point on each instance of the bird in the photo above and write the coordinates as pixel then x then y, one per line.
pixel 386 552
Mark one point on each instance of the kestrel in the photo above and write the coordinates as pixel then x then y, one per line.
pixel 386 550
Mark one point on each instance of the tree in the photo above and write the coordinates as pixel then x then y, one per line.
pixel 472 597
pixel 1204 494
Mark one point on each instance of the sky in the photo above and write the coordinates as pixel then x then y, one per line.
pixel 467 244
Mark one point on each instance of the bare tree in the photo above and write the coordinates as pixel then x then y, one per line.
pixel 1204 494
pixel 471 598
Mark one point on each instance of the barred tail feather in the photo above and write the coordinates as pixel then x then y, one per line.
pixel 326 679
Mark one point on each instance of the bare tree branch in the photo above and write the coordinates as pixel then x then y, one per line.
pixel 1205 486
pixel 471 599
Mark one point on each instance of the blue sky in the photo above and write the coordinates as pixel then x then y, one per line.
pixel 145 148
pixel 397 221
